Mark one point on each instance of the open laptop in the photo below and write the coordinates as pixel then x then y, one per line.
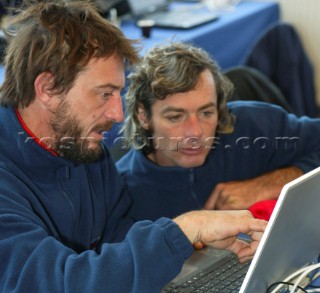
pixel 180 17
pixel 290 242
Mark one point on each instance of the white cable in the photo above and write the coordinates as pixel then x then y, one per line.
pixel 316 276
pixel 307 271
pixel 296 273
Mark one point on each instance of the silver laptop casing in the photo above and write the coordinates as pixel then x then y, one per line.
pixel 290 242
pixel 292 236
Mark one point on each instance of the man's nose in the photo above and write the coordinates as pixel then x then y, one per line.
pixel 194 127
pixel 114 110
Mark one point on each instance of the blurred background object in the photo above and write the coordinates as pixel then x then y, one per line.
pixel 279 53
pixel 227 5
pixel 146 26
pixel 105 7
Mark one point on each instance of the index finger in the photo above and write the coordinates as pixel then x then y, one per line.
pixel 257 225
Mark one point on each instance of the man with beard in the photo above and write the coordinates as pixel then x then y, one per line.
pixel 63 207
pixel 193 150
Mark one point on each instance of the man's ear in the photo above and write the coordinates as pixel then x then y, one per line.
pixel 143 117
pixel 42 86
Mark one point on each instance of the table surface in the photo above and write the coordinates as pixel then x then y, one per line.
pixel 226 39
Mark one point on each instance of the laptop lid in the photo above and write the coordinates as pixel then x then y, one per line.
pixel 292 237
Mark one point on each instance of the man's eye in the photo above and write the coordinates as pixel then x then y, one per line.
pixel 174 118
pixel 207 113
pixel 107 95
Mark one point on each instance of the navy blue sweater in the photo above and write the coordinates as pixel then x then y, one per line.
pixel 265 138
pixel 56 219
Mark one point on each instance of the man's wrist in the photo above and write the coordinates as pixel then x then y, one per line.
pixel 188 223
pixel 177 237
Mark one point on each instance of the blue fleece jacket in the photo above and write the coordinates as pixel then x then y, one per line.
pixel 265 138
pixel 57 219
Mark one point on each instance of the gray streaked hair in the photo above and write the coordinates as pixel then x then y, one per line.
pixel 166 70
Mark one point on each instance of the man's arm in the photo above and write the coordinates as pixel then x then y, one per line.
pixel 242 194
pixel 291 149
pixel 151 254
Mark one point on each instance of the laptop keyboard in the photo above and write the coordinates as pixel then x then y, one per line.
pixel 226 276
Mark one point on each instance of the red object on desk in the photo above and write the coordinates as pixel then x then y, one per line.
pixel 263 209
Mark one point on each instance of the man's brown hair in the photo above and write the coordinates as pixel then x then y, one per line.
pixel 59 37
